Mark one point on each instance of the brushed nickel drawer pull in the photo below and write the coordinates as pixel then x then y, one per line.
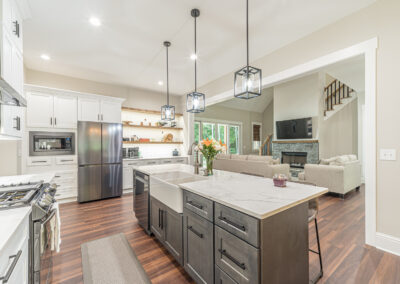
pixel 66 160
pixel 7 276
pixel 231 258
pixel 198 206
pixel 200 235
pixel 237 226
pixel 39 161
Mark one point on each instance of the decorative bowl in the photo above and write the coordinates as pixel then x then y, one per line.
pixel 280 180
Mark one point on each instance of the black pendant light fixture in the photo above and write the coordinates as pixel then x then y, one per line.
pixel 167 111
pixel 195 101
pixel 247 79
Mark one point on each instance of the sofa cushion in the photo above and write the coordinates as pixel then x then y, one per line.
pixel 276 161
pixel 239 157
pixel 259 158
pixel 222 156
pixel 327 161
pixel 352 157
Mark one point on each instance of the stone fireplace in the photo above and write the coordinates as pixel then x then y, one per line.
pixel 297 153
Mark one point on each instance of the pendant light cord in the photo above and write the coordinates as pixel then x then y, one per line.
pixel 167 80
pixel 247 32
pixel 195 53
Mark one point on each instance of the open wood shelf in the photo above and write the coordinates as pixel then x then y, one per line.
pixel 146 111
pixel 150 142
pixel 151 127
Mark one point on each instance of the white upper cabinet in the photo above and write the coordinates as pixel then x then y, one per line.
pixel 65 111
pixel 39 110
pixel 12 118
pixel 51 111
pixel 110 111
pixel 99 110
pixel 89 109
pixel 11 45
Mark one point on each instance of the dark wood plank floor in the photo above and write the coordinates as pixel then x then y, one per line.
pixel 341 224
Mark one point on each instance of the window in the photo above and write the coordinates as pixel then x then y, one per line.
pixel 208 130
pixel 256 135
pixel 229 134
pixel 197 132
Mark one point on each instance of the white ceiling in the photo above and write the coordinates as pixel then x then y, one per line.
pixel 127 48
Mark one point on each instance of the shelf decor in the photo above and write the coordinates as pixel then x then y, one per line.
pixel 195 101
pixel 167 111
pixel 247 79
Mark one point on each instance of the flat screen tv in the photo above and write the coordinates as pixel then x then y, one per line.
pixel 294 129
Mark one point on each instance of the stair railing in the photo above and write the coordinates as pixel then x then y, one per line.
pixel 335 92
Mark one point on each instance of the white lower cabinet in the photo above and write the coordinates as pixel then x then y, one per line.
pixel 14 259
pixel 67 184
pixel 127 178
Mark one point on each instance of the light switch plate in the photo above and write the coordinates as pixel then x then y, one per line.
pixel 388 154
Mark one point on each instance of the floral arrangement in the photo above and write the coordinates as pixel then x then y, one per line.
pixel 210 149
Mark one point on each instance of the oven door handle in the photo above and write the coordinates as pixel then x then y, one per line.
pixel 7 276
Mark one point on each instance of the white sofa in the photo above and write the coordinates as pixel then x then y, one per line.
pixel 264 166
pixel 339 174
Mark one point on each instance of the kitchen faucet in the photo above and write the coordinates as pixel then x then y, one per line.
pixel 196 158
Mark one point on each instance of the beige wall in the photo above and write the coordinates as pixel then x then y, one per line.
pixel 378 20
pixel 217 112
pixel 9 162
pixel 137 98
pixel 268 120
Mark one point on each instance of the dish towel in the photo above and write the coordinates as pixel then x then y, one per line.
pixel 55 225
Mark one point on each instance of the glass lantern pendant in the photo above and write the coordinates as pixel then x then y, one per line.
pixel 167 111
pixel 247 79
pixel 195 101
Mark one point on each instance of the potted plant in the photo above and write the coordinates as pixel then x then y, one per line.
pixel 210 149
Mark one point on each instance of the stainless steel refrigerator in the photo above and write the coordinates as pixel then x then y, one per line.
pixel 99 160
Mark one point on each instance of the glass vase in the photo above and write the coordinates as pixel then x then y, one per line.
pixel 209 163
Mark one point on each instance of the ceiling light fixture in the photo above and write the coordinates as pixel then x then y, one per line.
pixel 167 111
pixel 195 101
pixel 248 79
pixel 95 21
pixel 160 83
pixel 45 57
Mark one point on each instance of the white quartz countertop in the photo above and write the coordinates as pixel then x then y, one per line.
pixel 10 219
pixel 8 180
pixel 154 158
pixel 255 196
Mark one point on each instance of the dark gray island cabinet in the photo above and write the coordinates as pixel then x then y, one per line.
pixel 224 245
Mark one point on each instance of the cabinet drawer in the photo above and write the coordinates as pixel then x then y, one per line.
pixel 151 162
pixel 67 160
pixel 222 278
pixel 241 225
pixel 199 205
pixel 39 161
pixel 236 258
pixel 198 238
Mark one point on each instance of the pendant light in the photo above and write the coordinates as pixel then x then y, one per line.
pixel 247 79
pixel 195 101
pixel 167 111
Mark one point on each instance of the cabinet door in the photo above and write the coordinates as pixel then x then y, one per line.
pixel 88 109
pixel 11 122
pixel 7 15
pixel 16 25
pixel 198 239
pixel 6 59
pixel 39 110
pixel 156 220
pixel 110 111
pixel 173 241
pixel 127 178
pixel 18 71
pixel 65 111
pixel 20 272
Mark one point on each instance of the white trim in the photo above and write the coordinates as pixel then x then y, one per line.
pixel 368 49
pixel 388 243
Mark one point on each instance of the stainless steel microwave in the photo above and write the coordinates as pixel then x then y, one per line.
pixel 51 143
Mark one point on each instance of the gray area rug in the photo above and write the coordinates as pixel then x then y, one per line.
pixel 111 260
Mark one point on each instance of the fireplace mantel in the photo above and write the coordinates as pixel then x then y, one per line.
pixel 311 147
pixel 295 141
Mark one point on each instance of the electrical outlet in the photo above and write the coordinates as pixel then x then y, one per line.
pixel 388 154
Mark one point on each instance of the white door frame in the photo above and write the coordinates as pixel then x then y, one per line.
pixel 368 49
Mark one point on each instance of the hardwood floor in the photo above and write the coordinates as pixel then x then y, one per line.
pixel 341 225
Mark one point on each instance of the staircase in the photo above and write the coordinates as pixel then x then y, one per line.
pixel 337 96
pixel 265 149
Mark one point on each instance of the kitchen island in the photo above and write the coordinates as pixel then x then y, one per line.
pixel 236 228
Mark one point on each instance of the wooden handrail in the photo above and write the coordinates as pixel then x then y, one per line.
pixel 266 141
pixel 334 81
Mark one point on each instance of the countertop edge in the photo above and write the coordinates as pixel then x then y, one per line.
pixel 264 216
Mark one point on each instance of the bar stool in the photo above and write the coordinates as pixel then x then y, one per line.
pixel 312 216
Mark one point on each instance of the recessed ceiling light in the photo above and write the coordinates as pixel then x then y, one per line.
pixel 95 21
pixel 160 83
pixel 45 57
pixel 193 56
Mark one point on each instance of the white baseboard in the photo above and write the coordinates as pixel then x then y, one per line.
pixel 387 243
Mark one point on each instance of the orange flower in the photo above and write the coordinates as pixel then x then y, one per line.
pixel 207 142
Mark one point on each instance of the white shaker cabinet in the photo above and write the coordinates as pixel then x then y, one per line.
pixel 89 109
pixel 127 180
pixel 39 110
pixel 110 111
pixel 51 111
pixel 12 118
